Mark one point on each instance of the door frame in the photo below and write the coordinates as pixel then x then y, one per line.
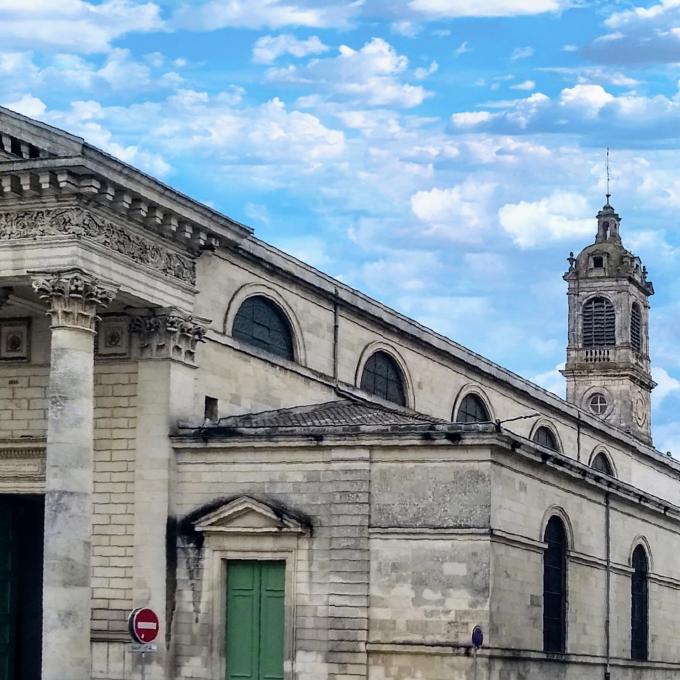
pixel 257 548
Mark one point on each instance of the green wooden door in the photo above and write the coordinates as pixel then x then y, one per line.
pixel 8 579
pixel 255 627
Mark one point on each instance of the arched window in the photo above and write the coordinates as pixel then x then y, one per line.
pixel 599 323
pixel 261 323
pixel 382 377
pixel 636 328
pixel 555 587
pixel 601 464
pixel 472 410
pixel 639 605
pixel 545 437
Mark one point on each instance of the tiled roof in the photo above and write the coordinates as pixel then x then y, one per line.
pixel 340 413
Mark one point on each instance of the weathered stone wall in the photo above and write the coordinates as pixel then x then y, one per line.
pixel 331 567
pixel 113 499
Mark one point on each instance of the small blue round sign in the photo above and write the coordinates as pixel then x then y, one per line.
pixel 477 637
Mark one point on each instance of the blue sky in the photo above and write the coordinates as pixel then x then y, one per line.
pixel 443 156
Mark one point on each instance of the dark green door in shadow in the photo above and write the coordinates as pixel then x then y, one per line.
pixel 255 626
pixel 8 604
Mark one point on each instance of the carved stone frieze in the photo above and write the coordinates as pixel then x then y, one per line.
pixel 73 298
pixel 169 334
pixel 75 221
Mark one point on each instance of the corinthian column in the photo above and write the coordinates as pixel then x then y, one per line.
pixel 73 298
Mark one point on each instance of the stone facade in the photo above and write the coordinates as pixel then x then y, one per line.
pixel 164 446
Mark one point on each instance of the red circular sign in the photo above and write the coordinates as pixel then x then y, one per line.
pixel 144 625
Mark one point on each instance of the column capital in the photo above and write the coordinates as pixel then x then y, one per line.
pixel 73 297
pixel 169 333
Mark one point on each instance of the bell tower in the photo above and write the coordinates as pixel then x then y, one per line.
pixel 607 369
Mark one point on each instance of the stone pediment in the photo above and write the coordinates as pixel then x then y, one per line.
pixel 246 515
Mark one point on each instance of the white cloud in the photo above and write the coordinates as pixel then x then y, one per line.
pixel 421 72
pixel 459 213
pixel 373 74
pixel 666 385
pixel 521 53
pixel 639 35
pixel 462 48
pixel 525 85
pixel 28 105
pixel 589 99
pixel 269 48
pixel 562 215
pixel 408 29
pixel 485 8
pixel 470 119
pixel 594 75
pixel 118 71
pixel 263 14
pixel 553 381
pixel 74 25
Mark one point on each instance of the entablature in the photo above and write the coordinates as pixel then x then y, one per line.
pixel 139 200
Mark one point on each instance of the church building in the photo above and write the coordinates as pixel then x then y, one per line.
pixel 302 483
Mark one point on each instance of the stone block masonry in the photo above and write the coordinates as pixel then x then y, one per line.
pixel 115 408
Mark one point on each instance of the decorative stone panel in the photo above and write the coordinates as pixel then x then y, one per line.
pixel 74 221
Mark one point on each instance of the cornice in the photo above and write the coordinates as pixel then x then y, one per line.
pixel 138 198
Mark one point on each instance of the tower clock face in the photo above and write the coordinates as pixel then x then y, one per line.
pixel 640 410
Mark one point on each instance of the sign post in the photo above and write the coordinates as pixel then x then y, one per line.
pixel 477 642
pixel 143 625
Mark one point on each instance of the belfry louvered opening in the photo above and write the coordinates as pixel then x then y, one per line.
pixel 599 323
pixel 636 328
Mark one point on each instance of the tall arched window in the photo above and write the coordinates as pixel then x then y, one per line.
pixel 545 437
pixel 382 377
pixel 261 323
pixel 599 323
pixel 472 410
pixel 555 587
pixel 636 328
pixel 639 605
pixel 601 464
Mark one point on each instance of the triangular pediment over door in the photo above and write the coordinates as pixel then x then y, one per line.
pixel 247 515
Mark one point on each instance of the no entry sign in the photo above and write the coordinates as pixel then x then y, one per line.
pixel 143 625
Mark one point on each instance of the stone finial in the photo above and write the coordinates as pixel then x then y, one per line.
pixel 74 297
pixel 169 333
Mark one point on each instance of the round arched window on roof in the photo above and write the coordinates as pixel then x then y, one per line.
pixel 260 323
pixel 545 437
pixel 382 377
pixel 598 404
pixel 601 464
pixel 472 410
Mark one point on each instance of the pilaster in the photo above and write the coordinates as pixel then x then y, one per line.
pixel 167 342
pixel 73 298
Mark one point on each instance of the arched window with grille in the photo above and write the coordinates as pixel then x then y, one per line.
pixel 636 328
pixel 545 437
pixel 601 464
pixel 261 323
pixel 555 587
pixel 599 323
pixel 472 410
pixel 639 606
pixel 383 377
